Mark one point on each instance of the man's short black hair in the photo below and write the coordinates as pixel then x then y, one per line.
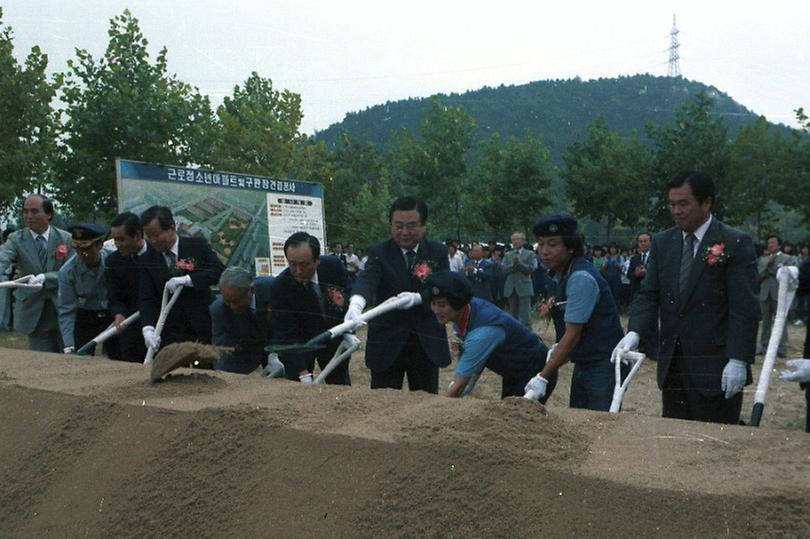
pixel 130 222
pixel 409 204
pixel 701 184
pixel 778 239
pixel 161 213
pixel 47 204
pixel 304 238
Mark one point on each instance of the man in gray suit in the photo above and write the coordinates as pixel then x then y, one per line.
pixel 518 265
pixel 769 292
pixel 40 250
pixel 700 283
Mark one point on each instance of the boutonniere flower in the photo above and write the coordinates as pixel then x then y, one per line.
pixel 336 297
pixel 716 255
pixel 423 270
pixel 184 266
pixel 61 252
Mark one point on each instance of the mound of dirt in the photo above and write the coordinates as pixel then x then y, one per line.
pixel 91 448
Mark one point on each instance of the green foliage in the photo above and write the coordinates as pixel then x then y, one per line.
pixel 124 106
pixel 758 168
pixel 510 185
pixel 258 129
pixel 607 178
pixel 434 166
pixel 28 126
pixel 696 139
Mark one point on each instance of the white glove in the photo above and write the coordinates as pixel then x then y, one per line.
pixel 350 340
pixel 733 378
pixel 175 282
pixel 68 350
pixel 800 372
pixel 356 305
pixel 628 343
pixel 536 388
pixel 306 379
pixel 274 368
pixel 150 338
pixel 409 300
pixel 37 279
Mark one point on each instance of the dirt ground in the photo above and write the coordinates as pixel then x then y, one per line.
pixel 89 447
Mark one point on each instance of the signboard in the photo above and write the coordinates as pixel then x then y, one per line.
pixel 244 217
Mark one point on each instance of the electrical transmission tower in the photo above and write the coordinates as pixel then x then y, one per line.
pixel 674 67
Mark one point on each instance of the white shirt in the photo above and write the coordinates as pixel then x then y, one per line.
pixel 699 233
pixel 45 234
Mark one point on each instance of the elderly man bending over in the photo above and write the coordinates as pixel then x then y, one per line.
pixel 240 319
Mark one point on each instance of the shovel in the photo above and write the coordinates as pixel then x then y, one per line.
pixel 22 282
pixel 788 279
pixel 166 305
pixel 621 388
pixel 88 348
pixel 319 341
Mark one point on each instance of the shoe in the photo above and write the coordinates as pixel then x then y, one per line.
pixel 781 354
pixel 798 323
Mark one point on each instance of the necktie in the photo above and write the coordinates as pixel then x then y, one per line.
pixel 171 259
pixel 411 256
pixel 42 251
pixel 315 290
pixel 686 260
pixel 644 259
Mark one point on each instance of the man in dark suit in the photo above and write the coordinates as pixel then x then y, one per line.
pixel 39 249
pixel 175 261
pixel 408 341
pixel 700 280
pixel 638 263
pixel 122 276
pixel 308 298
pixel 479 272
pixel 240 319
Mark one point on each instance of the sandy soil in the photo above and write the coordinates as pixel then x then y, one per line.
pixel 91 448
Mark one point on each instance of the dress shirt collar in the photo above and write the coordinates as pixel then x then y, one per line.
pixel 45 234
pixel 405 251
pixel 700 232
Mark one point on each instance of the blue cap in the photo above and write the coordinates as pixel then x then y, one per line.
pixel 85 234
pixel 560 224
pixel 451 285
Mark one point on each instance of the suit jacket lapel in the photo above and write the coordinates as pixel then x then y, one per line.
pixel 711 237
pixel 30 247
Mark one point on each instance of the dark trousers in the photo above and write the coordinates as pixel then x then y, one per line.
pixel 132 347
pixel 592 384
pixel 46 336
pixel 681 400
pixel 423 374
pixel 89 324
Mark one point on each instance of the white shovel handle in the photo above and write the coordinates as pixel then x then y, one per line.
pixel 166 305
pixel 621 388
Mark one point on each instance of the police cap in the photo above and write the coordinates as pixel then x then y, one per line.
pixel 555 225
pixel 86 234
pixel 450 285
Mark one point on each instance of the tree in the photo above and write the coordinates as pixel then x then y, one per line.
pixel 606 177
pixel 258 129
pixel 434 166
pixel 511 183
pixel 124 106
pixel 759 168
pixel 695 140
pixel 28 126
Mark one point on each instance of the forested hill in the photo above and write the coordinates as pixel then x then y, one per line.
pixel 556 109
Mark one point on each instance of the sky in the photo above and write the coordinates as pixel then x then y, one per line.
pixel 346 55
